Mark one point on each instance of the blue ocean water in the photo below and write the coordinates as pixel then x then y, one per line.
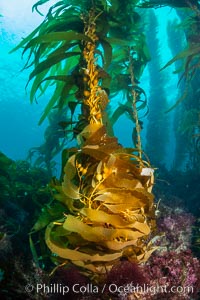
pixel 19 119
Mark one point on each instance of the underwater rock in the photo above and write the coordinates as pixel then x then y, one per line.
pixel 172 276
pixel 175 226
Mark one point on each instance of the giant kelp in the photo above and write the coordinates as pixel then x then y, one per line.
pixel 186 63
pixel 55 47
pixel 157 132
pixel 187 69
pixel 105 188
pixel 111 210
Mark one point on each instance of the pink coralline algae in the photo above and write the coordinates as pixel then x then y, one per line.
pixel 175 227
pixel 172 272
pixel 172 276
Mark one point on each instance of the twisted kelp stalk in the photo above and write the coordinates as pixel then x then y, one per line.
pixel 135 113
pixel 93 94
pixel 111 209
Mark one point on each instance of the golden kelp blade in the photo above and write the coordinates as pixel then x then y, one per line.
pixel 99 216
pixel 99 234
pixel 75 255
pixel 108 193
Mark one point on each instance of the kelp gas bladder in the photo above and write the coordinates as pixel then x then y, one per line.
pixel 109 210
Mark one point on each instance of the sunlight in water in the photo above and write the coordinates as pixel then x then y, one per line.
pixel 164 15
pixel 18 17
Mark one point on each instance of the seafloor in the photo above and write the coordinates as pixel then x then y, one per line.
pixel 25 275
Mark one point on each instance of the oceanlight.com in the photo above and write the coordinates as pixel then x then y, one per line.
pixel 77 288
pixel 151 290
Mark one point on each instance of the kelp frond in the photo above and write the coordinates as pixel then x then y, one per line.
pixel 55 49
pixel 108 193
